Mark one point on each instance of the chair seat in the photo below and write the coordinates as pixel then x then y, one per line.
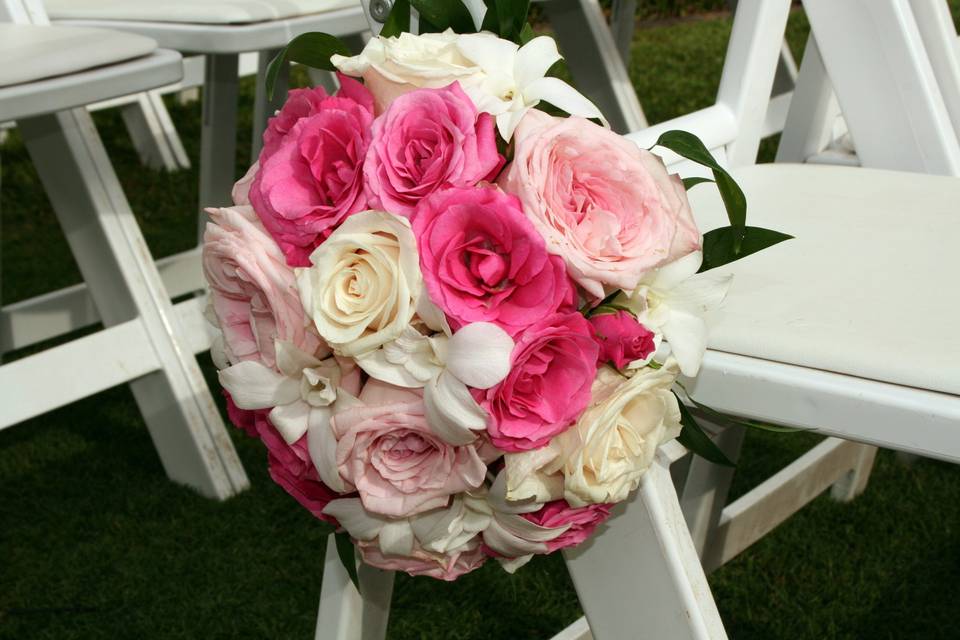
pixel 191 11
pixel 35 52
pixel 868 287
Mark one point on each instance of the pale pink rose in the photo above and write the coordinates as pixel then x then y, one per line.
pixel 426 140
pixel 582 522
pixel 552 369
pixel 622 339
pixel 423 563
pixel 253 292
pixel 609 208
pixel 310 173
pixel 482 260
pixel 385 448
pixel 240 194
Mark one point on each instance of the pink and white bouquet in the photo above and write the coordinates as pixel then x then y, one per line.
pixel 455 320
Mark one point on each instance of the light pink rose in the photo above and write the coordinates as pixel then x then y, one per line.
pixel 582 522
pixel 423 563
pixel 385 448
pixel 552 369
pixel 310 173
pixel 253 293
pixel 609 208
pixel 426 140
pixel 482 260
pixel 622 339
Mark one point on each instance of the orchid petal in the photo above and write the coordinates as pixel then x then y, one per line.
pixel 252 385
pixel 487 51
pixel 563 96
pixel 432 316
pixel 479 354
pixel 396 538
pixel 291 361
pixel 671 275
pixel 451 411
pixel 687 335
pixel 359 523
pixel 510 565
pixel 291 420
pixel 699 293
pixel 478 10
pixel 377 366
pixel 322 446
pixel 534 59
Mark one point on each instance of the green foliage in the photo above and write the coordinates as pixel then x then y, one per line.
pixel 693 437
pixel 347 553
pixel 312 49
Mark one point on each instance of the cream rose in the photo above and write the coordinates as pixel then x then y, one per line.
pixel 614 441
pixel 364 283
pixel 391 67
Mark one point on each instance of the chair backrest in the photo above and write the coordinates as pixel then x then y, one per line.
pixel 895 70
pixel 23 12
pixel 732 128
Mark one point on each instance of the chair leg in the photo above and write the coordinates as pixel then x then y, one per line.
pixel 263 106
pixel 855 482
pixel 344 614
pixel 642 574
pixel 109 248
pixel 218 143
pixel 180 157
pixel 147 134
pixel 595 62
pixel 705 491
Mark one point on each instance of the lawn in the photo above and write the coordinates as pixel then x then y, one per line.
pixel 96 543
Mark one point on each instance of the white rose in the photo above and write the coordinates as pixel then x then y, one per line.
pixel 363 287
pixel 393 66
pixel 501 78
pixel 614 441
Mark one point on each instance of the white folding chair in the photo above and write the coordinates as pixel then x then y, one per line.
pixel 49 75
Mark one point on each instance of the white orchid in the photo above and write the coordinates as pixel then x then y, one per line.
pixel 511 535
pixel 477 355
pixel 672 301
pixel 445 531
pixel 514 79
pixel 301 398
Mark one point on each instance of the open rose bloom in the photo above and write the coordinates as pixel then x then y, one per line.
pixel 454 320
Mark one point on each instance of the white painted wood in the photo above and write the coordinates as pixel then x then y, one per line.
pixel 343 614
pixel 263 106
pixel 579 630
pixel 758 512
pixel 53 314
pixel 176 404
pixel 641 574
pixel 747 81
pixel 594 61
pixel 147 134
pixel 218 142
pixel 939 34
pixel 910 127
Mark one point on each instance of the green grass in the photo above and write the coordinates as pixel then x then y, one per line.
pixel 96 543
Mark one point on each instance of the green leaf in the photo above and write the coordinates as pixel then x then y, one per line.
pixel 692 148
pixel 312 49
pixel 720 245
pixel 491 19
pixel 444 14
pixel 398 21
pixel 512 15
pixel 689 183
pixel 526 35
pixel 346 551
pixel 693 438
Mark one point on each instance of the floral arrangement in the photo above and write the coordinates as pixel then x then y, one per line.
pixel 454 319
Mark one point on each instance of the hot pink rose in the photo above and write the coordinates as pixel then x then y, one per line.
pixel 307 488
pixel 253 293
pixel 243 419
pixel 422 562
pixel 583 521
pixel 552 368
pixel 609 208
pixel 482 260
pixel 622 339
pixel 426 140
pixel 311 167
pixel 388 452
